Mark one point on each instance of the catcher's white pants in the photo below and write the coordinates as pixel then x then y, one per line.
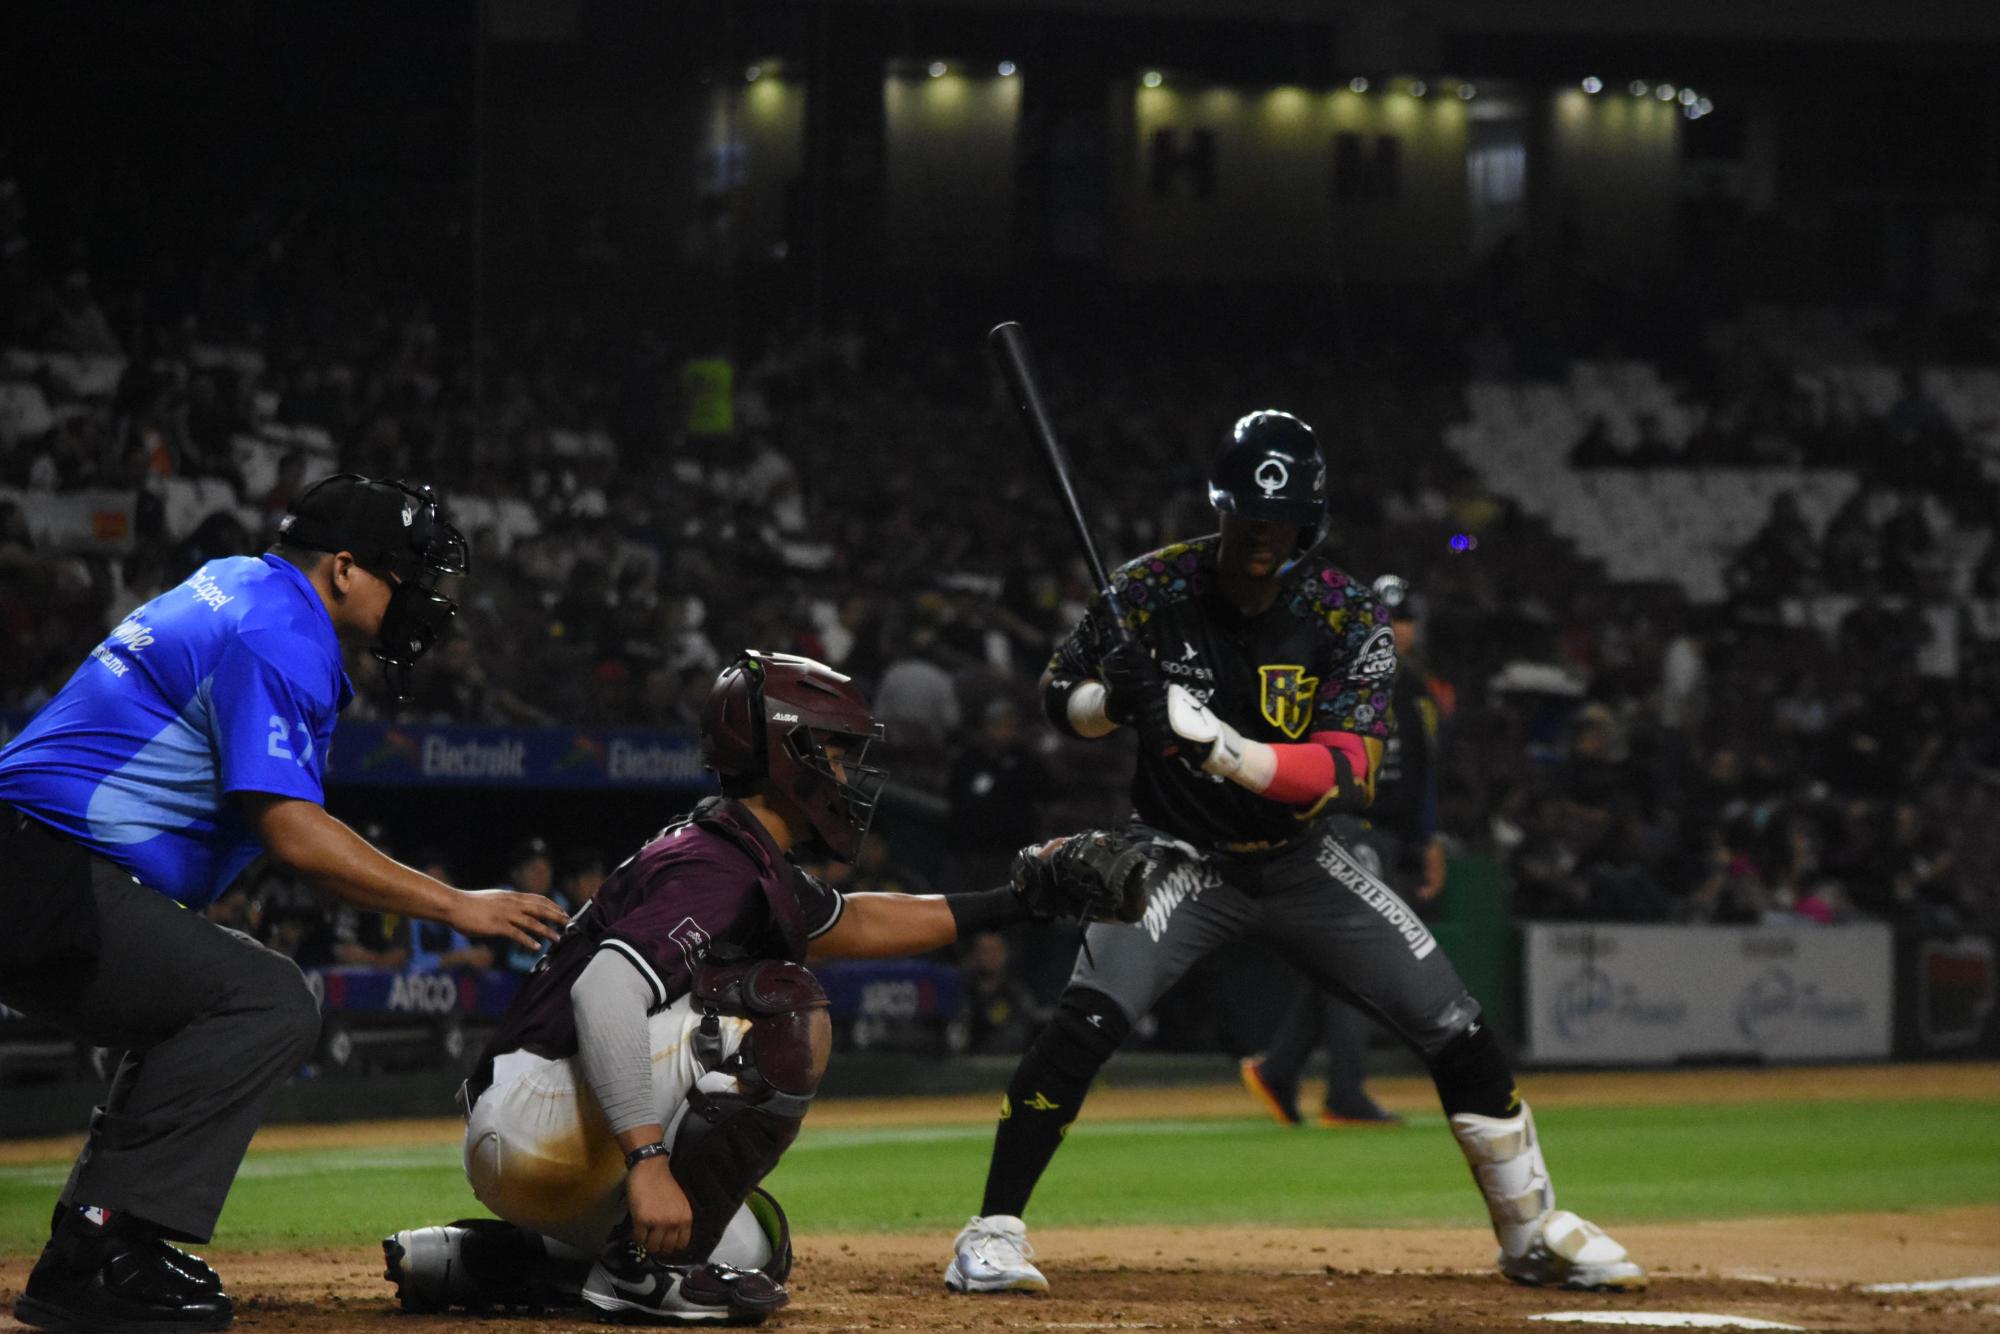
pixel 538 1151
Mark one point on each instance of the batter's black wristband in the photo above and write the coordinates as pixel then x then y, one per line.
pixel 985 910
pixel 1350 795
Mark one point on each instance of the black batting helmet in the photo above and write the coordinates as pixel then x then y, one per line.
pixel 770 716
pixel 1270 469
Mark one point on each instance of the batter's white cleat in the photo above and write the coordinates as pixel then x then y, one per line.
pixel 991 1255
pixel 1568 1252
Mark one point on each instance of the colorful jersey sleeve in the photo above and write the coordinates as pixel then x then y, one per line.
pixel 1355 685
pixel 1170 574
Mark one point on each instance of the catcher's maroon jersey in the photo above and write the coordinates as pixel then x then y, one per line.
pixel 714 883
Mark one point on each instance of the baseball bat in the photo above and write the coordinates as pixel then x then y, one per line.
pixel 1010 347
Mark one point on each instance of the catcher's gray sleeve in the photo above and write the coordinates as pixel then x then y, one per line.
pixel 613 1046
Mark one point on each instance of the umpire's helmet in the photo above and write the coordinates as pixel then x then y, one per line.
pixel 1270 469
pixel 770 717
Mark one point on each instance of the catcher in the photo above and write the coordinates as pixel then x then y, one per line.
pixel 660 1059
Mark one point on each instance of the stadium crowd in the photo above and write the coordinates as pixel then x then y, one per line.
pixel 639 509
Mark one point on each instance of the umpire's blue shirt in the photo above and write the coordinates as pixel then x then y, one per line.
pixel 228 683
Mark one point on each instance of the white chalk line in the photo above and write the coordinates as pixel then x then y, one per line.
pixel 1938 1284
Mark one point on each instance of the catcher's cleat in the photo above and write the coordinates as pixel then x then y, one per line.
pixel 628 1284
pixel 991 1255
pixel 478 1265
pixel 1282 1104
pixel 1568 1252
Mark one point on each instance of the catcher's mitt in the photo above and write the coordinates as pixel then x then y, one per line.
pixel 1099 875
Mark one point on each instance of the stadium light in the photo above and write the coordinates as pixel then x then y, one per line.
pixel 1152 78
pixel 754 73
pixel 1007 68
pixel 1593 85
pixel 1357 84
pixel 938 69
pixel 1665 92
pixel 1418 87
pixel 1689 97
pixel 1467 92
pixel 1637 87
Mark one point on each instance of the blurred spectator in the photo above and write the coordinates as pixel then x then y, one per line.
pixel 434 946
pixel 531 869
pixel 917 699
pixel 582 875
pixel 1001 1013
pixel 994 788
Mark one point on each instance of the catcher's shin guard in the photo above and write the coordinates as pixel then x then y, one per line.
pixel 746 1110
pixel 481 1263
pixel 758 1236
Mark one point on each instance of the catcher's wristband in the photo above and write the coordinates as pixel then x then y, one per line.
pixel 657 1149
pixel 985 910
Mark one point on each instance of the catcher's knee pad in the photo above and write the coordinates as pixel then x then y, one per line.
pixel 1088 1027
pixel 478 1263
pixel 1472 1074
pixel 780 1061
pixel 745 1112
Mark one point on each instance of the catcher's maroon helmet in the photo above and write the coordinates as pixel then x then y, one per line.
pixel 771 715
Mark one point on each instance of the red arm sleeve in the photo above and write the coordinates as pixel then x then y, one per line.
pixel 1307 771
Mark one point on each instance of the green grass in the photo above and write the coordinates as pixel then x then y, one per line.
pixel 1616 1165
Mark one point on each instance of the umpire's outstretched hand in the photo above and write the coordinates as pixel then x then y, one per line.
pixel 525 919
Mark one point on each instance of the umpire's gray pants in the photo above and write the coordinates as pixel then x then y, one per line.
pixel 1315 903
pixel 210 1021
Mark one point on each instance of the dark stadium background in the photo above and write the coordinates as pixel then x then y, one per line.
pixel 508 246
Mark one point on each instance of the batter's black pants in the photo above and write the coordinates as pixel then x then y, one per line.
pixel 210 1022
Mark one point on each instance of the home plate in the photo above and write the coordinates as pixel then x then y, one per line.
pixel 1661 1320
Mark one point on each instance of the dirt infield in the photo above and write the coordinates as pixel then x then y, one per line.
pixel 1806 1272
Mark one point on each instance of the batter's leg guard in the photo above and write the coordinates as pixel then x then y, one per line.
pixel 1046 1093
pixel 1540 1245
pixel 478 1264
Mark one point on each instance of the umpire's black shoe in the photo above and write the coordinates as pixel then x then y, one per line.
pixel 122 1279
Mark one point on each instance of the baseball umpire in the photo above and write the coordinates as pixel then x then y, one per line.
pixel 1398 842
pixel 661 1057
pixel 1257 679
pixel 194 737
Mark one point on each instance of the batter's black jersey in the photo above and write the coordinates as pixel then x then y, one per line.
pixel 1322 659
pixel 1406 787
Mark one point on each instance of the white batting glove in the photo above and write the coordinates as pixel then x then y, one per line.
pixel 1214 747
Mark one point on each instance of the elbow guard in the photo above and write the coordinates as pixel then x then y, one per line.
pixel 1055 703
pixel 1075 705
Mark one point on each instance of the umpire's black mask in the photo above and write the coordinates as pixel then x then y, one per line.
pixel 399 533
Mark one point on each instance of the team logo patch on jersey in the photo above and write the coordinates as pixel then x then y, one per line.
pixel 692 940
pixel 1377 656
pixel 1287 700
